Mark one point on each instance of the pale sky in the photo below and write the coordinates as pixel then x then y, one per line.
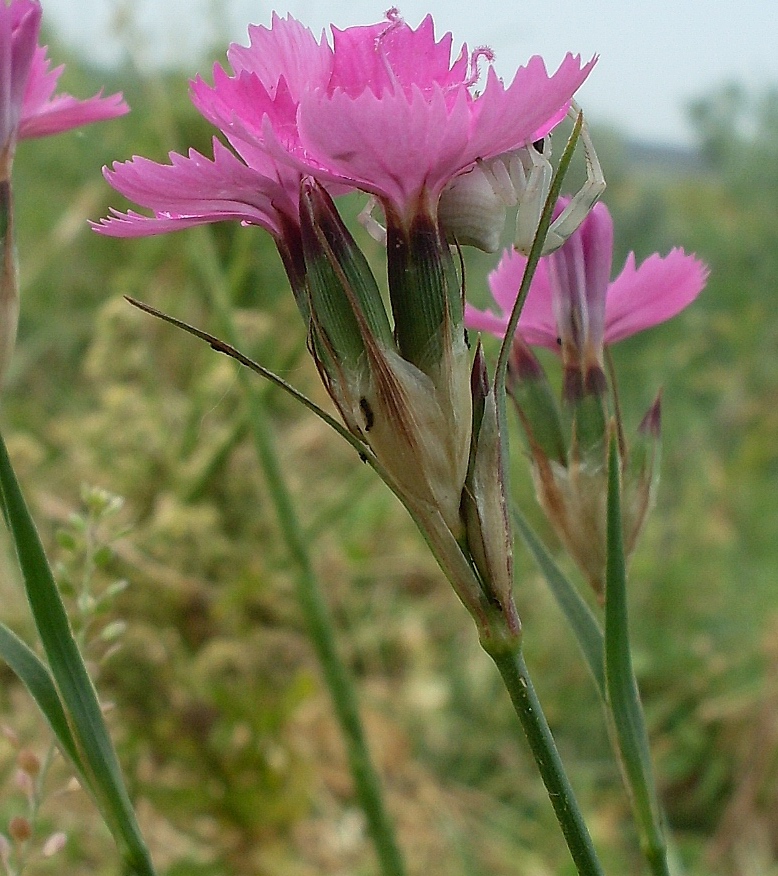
pixel 655 56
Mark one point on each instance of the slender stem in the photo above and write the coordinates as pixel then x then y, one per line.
pixel 314 608
pixel 525 701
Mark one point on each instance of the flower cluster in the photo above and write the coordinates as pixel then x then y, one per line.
pixel 386 111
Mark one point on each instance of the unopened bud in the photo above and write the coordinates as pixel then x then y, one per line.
pixel 29 762
pixel 19 829
pixel 54 844
pixel 489 534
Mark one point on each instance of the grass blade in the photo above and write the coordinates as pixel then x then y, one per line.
pixel 76 691
pixel 623 696
pixel 35 676
pixel 581 618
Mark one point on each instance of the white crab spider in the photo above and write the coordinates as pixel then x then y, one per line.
pixel 472 206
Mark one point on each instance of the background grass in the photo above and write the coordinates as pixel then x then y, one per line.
pixel 219 713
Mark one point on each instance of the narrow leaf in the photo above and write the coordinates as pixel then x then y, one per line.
pixel 35 676
pixel 623 695
pixel 76 691
pixel 581 618
pixel 228 350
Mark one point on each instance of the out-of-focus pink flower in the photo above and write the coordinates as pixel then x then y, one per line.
pixel 573 308
pixel 385 110
pixel 28 106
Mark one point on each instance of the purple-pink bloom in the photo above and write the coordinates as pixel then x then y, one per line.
pixel 573 306
pixel 28 106
pixel 385 110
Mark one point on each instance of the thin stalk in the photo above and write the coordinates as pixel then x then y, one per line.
pixel 312 603
pixel 525 701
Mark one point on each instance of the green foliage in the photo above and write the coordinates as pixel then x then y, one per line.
pixel 219 715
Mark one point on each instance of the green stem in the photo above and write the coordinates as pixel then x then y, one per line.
pixel 525 701
pixel 314 608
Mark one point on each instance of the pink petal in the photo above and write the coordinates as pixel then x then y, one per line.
pixel 507 118
pixel 485 321
pixel 394 146
pixel 19 28
pixel 390 54
pixel 64 113
pixel 656 291
pixel 242 107
pixel 193 190
pixel 286 48
pixel 43 114
pixel 537 325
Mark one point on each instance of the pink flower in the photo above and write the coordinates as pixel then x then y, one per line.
pixel 571 303
pixel 28 106
pixel 385 110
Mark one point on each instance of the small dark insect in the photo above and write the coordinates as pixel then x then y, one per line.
pixel 367 413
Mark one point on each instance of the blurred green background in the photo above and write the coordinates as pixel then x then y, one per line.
pixel 218 708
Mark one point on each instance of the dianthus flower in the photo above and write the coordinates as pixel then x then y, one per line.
pixel 28 106
pixel 574 308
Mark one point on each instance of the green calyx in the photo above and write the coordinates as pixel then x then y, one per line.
pixel 424 288
pixel 344 299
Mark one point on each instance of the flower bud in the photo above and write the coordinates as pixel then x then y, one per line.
pixel 19 829
pixel 484 504
pixel 531 392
